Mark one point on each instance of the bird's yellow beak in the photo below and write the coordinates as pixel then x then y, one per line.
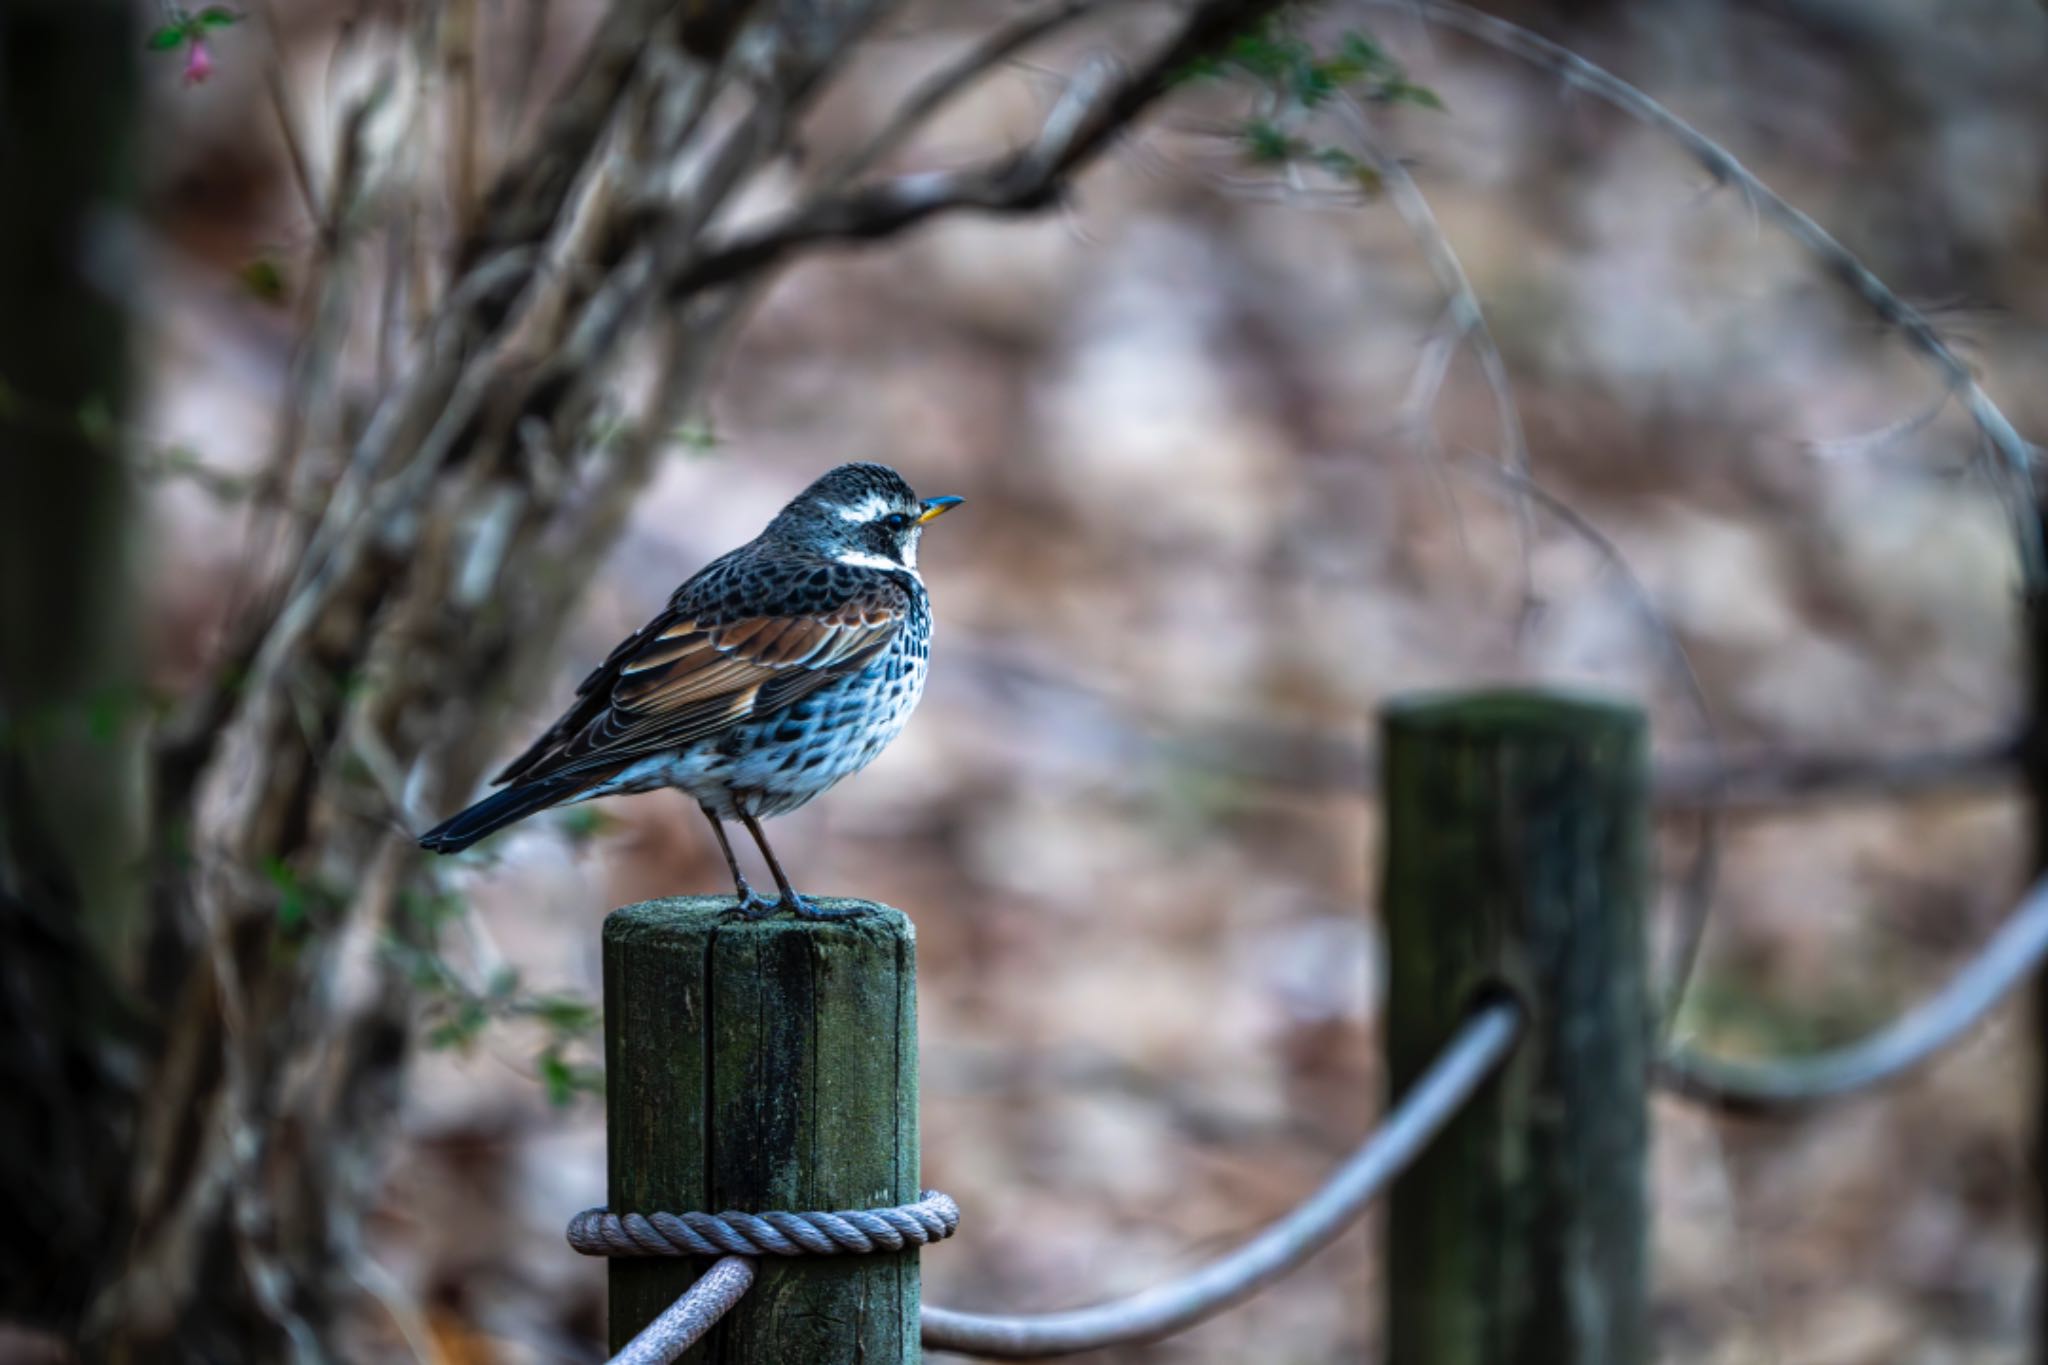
pixel 938 507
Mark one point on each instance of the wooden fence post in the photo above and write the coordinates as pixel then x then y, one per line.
pixel 758 1066
pixel 1517 861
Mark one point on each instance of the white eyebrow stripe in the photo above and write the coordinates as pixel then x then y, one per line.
pixel 867 509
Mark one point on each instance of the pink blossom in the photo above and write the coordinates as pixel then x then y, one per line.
pixel 198 62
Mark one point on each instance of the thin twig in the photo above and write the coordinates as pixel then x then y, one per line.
pixel 1094 109
pixel 2015 455
pixel 279 95
pixel 1468 322
pixel 1869 442
pixel 466 133
pixel 1696 892
pixel 1309 758
pixel 1774 781
pixel 935 93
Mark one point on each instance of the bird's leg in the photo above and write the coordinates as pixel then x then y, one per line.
pixel 751 903
pixel 790 899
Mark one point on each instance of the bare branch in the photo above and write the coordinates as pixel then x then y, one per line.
pixel 521 206
pixel 1775 781
pixel 1697 890
pixel 287 122
pixel 1306 759
pixel 465 134
pixel 1095 108
pixel 2015 455
pixel 940 90
pixel 1468 321
pixel 1867 443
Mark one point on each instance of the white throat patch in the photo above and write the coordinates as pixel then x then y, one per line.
pixel 867 559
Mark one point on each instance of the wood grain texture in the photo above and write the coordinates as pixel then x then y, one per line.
pixel 1518 861
pixel 756 1066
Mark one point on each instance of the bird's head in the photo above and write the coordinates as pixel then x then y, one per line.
pixel 860 514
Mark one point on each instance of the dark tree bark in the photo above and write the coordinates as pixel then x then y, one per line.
pixel 69 870
pixel 199 1195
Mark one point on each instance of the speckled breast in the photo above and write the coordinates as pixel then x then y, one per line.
pixel 780 762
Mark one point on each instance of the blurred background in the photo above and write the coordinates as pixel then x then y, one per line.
pixel 1228 476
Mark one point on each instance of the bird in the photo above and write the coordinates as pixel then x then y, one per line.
pixel 774 672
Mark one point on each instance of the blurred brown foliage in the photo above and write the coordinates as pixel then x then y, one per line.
pixel 1218 458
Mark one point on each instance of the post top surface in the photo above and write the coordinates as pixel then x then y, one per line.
pixel 1550 708
pixel 695 917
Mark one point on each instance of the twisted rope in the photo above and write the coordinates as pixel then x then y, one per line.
pixel 851 1232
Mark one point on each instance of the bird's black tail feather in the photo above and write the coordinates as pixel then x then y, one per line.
pixel 498 810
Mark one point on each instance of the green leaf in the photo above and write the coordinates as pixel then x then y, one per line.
pixel 1311 84
pixel 175 843
pixel 291 896
pixel 299 900
pixel 1200 69
pixel 1359 55
pixel 1267 52
pixel 430 910
pixel 555 1075
pixel 581 824
pixel 564 1080
pixel 96 420
pixel 1402 92
pixel 1344 166
pixel 460 1027
pixel 1267 144
pixel 698 438
pixel 565 1014
pixel 426 971
pixel 263 278
pixel 169 36
pixel 219 16
pixel 183 462
pixel 106 715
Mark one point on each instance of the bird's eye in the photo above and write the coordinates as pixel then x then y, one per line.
pixel 896 521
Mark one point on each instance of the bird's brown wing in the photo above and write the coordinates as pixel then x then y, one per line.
pixel 688 675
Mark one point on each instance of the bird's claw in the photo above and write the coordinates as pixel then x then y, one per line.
pixel 805 909
pixel 751 905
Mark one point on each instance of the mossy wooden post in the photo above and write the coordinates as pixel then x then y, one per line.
pixel 757 1066
pixel 1517 862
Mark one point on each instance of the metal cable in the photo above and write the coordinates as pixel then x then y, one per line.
pixel 850 1232
pixel 2011 956
pixel 1471 1056
pixel 683 1323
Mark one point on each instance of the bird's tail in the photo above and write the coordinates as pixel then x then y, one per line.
pixel 500 809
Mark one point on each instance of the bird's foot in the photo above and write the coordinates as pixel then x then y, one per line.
pixel 750 904
pixel 807 909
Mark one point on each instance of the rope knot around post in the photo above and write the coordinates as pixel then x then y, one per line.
pixel 767 1065
pixel 850 1232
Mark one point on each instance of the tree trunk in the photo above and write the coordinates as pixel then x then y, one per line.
pixel 70 893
